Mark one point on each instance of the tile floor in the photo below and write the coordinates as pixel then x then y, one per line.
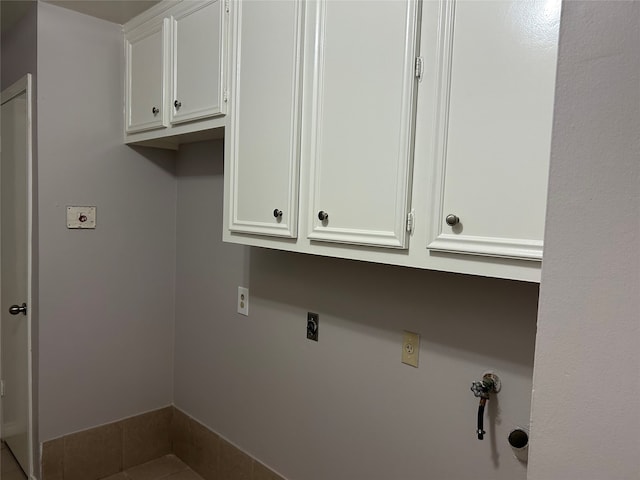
pixel 10 470
pixel 168 467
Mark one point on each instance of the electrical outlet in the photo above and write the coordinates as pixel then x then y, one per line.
pixel 243 301
pixel 312 326
pixel 410 348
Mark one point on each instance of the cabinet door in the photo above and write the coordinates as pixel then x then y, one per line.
pixel 265 129
pixel 496 92
pixel 362 121
pixel 199 40
pixel 146 75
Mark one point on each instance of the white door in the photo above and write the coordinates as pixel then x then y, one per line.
pixel 363 101
pixel 198 46
pixel 265 131
pixel 14 268
pixel 147 50
pixel 496 97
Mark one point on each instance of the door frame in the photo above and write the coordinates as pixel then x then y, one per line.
pixel 24 85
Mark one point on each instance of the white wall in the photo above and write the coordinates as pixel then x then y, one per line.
pixel 345 407
pixel 585 408
pixel 106 295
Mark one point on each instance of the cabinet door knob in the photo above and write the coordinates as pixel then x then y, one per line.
pixel 16 309
pixel 452 220
pixel 177 104
pixel 155 110
pixel 322 215
pixel 277 213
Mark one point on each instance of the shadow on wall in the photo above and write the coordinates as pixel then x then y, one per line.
pixel 485 316
pixel 472 315
pixel 164 159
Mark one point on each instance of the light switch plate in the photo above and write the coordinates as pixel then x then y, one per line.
pixel 81 217
pixel 410 348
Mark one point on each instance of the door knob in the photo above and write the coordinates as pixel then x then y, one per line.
pixel 177 104
pixel 322 216
pixel 15 309
pixel 277 213
pixel 155 110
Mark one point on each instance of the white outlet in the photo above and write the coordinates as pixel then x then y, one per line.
pixel 243 301
pixel 410 348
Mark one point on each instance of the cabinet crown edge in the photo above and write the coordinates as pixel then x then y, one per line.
pixel 155 11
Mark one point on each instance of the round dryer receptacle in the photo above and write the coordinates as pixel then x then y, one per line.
pixel 518 438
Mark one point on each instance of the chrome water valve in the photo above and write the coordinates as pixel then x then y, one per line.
pixel 490 384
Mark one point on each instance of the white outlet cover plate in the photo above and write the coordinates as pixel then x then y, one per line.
pixel 81 217
pixel 243 301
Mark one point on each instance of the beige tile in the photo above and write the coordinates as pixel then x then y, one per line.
pixel 195 444
pixel 93 454
pixel 181 436
pixel 184 475
pixel 204 451
pixel 234 464
pixel 52 459
pixel 156 469
pixel 146 437
pixel 260 472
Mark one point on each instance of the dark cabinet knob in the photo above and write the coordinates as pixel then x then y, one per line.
pixel 452 220
pixel 16 309
pixel 277 213
pixel 177 104
pixel 322 215
pixel 155 110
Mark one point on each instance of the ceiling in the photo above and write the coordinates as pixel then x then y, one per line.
pixel 116 11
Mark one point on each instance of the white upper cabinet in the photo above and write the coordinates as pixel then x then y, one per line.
pixel 361 121
pixel 264 137
pixel 146 51
pixel 403 132
pixel 198 43
pixel 497 66
pixel 176 72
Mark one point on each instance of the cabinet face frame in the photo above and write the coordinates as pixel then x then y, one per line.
pixel 161 120
pixel 398 235
pixel 186 113
pixel 444 238
pixel 287 225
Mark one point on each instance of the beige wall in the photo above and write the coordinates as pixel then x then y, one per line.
pixel 345 407
pixel 585 418
pixel 106 295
